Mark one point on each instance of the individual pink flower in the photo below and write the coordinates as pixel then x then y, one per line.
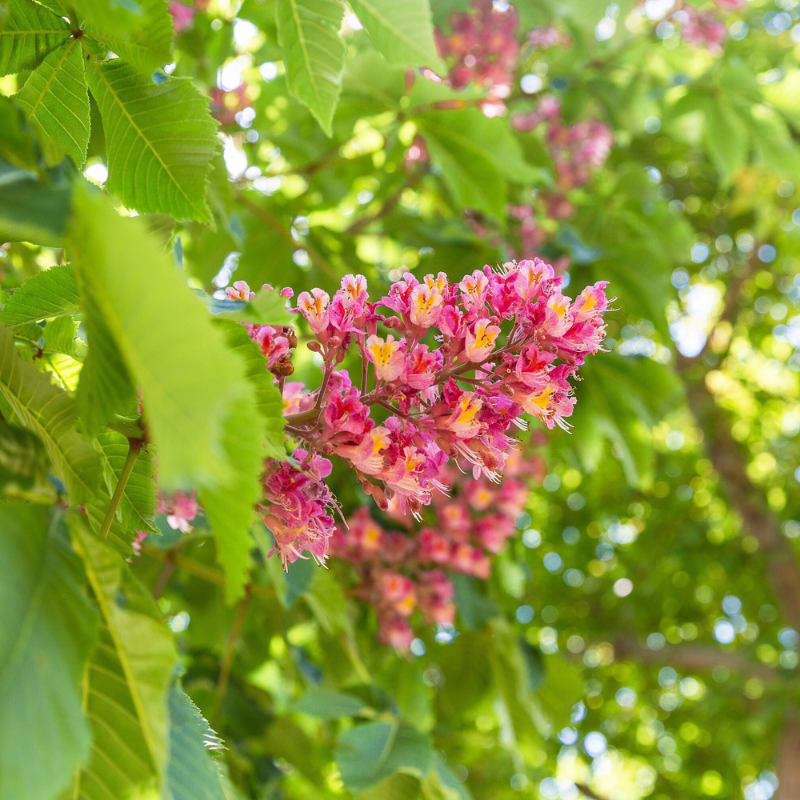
pixel 240 291
pixel 421 367
pixel 314 307
pixel 388 357
pixel 182 16
pixel 181 509
pixel 481 339
pixel 425 305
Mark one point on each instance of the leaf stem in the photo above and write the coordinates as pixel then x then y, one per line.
pixel 134 448
pixel 227 658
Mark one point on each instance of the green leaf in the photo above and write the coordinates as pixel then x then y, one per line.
pixel 166 339
pixel 28 34
pixel 725 138
pixel 192 773
pixel 47 294
pixel 403 32
pixel 476 155
pixel 51 414
pixel 126 681
pixel 313 53
pixel 367 754
pixel 105 389
pixel 47 627
pixel 160 139
pixel 229 505
pixel 267 396
pixel 136 510
pixel 327 704
pixel 145 40
pixel 442 784
pixel 474 608
pixel 327 602
pixel 16 145
pixel 31 209
pixel 266 308
pixel 56 100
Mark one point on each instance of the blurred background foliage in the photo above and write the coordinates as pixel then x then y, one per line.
pixel 639 638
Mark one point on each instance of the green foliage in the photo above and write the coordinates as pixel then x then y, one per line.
pixel 28 34
pixel 314 54
pixel 673 503
pixel 192 773
pixel 51 414
pixel 126 272
pixel 56 101
pixel 147 127
pixel 371 752
pixel 127 679
pixel 48 628
pixel 45 295
pixel 402 32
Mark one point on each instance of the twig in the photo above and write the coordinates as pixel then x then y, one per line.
pixel 134 448
pixel 227 658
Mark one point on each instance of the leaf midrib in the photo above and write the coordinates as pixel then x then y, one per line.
pixel 303 44
pixel 96 65
pixel 121 653
pixel 391 27
pixel 49 81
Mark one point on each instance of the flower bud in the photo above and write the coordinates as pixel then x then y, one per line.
pixel 314 347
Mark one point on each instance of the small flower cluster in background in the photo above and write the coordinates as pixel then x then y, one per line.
pixel 404 574
pixel 484 46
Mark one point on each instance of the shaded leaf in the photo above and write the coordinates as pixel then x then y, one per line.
pixel 51 414
pixel 187 377
pixel 327 704
pixel 127 679
pixel 49 293
pixel 229 505
pixel 47 628
pixel 192 773
pixel 367 754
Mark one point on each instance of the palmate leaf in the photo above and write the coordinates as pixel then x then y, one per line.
pixel 49 293
pixel 51 414
pixel 403 32
pixel 136 510
pixel 47 627
pixel 169 345
pixel 229 505
pixel 126 682
pixel 192 773
pixel 28 34
pixel 145 40
pixel 313 53
pixel 56 100
pixel 160 139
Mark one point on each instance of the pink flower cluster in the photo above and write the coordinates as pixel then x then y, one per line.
pixel 403 572
pixel 547 36
pixel 577 150
pixel 483 42
pixel 701 28
pixel 445 371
